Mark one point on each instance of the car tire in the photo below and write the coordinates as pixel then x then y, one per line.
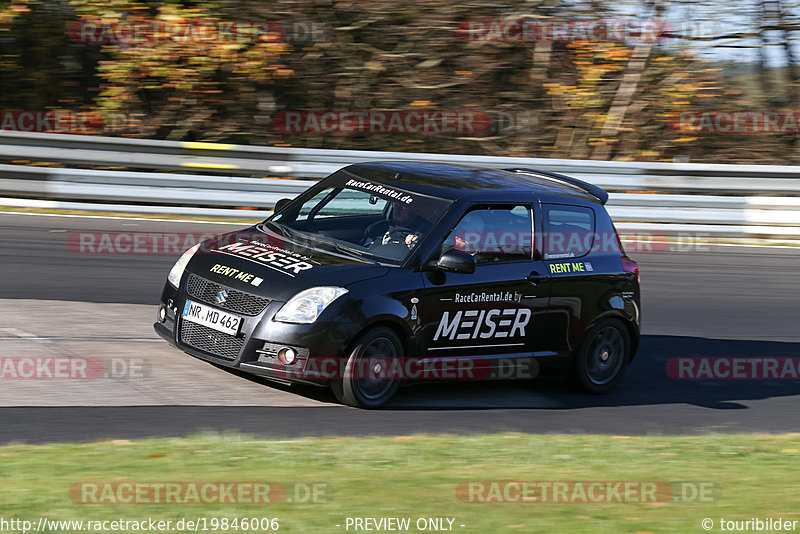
pixel 365 382
pixel 602 357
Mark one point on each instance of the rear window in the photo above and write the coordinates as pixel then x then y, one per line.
pixel 568 231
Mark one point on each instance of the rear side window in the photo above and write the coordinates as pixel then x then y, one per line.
pixel 568 231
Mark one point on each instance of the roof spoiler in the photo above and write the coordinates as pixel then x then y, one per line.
pixel 593 190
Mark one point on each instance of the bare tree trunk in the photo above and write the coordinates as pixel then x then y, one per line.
pixel 763 73
pixel 623 98
pixel 791 87
pixel 627 89
pixel 541 54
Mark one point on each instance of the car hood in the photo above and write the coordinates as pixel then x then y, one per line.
pixel 264 263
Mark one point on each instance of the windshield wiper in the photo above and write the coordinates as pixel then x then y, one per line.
pixel 285 231
pixel 343 248
pixel 289 232
pixel 334 244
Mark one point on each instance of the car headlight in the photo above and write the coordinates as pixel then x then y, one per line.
pixel 306 306
pixel 176 272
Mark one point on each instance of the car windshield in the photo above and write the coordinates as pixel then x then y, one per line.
pixel 374 221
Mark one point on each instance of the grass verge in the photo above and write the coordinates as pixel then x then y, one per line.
pixel 417 477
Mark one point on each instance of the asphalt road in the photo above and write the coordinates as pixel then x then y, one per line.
pixel 57 299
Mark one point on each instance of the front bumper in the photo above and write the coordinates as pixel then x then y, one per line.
pixel 254 349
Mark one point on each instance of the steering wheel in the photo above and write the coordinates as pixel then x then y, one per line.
pixel 373 232
pixel 397 234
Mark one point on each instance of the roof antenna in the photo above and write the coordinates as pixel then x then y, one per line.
pixel 397 176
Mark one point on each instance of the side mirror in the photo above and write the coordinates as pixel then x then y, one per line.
pixel 456 261
pixel 282 203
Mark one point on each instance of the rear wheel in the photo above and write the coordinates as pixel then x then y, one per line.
pixel 602 357
pixel 368 381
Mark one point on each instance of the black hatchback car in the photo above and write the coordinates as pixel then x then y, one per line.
pixel 390 272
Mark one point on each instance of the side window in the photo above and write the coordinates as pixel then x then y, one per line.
pixel 493 234
pixel 568 231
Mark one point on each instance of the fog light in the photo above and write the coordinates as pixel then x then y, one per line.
pixel 162 314
pixel 287 355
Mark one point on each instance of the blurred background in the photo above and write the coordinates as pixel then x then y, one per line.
pixel 212 111
pixel 712 81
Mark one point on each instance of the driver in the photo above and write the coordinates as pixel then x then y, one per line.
pixel 403 227
pixel 467 235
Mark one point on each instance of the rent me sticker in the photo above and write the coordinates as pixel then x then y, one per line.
pixel 236 274
pixel 571 267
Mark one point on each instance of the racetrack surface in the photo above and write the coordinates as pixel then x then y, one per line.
pixel 56 301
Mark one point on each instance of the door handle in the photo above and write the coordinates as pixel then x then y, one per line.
pixel 534 276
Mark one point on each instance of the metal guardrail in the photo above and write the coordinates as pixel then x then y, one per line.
pixel 717 200
pixel 144 187
pixel 318 163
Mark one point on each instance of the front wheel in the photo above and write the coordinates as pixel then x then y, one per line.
pixel 368 381
pixel 602 357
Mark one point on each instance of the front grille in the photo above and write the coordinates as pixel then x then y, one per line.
pixel 237 301
pixel 208 340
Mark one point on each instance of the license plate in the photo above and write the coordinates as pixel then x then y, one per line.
pixel 213 318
